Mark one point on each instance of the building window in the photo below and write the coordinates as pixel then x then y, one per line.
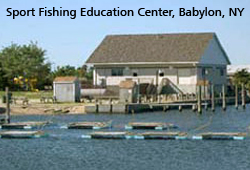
pixel 117 72
pixel 135 74
pixel 221 72
pixel 161 74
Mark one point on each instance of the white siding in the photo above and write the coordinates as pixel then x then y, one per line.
pixel 185 76
pixel 64 92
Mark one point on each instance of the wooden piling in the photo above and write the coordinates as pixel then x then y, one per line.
pixel 223 98
pixel 96 105
pixel 236 97
pixel 7 118
pixel 199 100
pixel 138 91
pixel 111 105
pixel 206 106
pixel 243 96
pixel 126 106
pixel 194 107
pixel 180 108
pixel 164 109
pixel 212 98
pixel 158 98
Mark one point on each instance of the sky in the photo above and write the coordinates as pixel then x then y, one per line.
pixel 69 41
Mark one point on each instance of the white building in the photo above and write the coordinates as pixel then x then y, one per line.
pixel 179 60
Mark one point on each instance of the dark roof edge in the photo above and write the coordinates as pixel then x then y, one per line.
pixel 154 34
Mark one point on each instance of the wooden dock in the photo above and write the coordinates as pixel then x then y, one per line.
pixel 107 135
pixel 23 125
pixel 163 135
pixel 149 125
pixel 89 125
pixel 220 136
pixel 22 134
pixel 129 135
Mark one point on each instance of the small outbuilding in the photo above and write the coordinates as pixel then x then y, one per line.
pixel 67 89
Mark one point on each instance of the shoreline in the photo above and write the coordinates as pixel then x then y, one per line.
pixel 47 109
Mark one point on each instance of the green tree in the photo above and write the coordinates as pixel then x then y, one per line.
pixel 3 80
pixel 81 72
pixel 241 77
pixel 65 71
pixel 27 61
pixel 89 73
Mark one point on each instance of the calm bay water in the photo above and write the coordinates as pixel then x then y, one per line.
pixel 64 149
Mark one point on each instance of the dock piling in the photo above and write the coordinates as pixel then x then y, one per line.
pixel 212 99
pixel 180 108
pixel 96 106
pixel 206 106
pixel 243 96
pixel 164 108
pixel 111 105
pixel 236 97
pixel 199 100
pixel 194 107
pixel 223 98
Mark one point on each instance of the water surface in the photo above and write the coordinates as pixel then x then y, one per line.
pixel 64 149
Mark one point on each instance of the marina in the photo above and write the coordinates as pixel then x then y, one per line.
pixel 148 146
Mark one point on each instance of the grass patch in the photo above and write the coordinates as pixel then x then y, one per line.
pixel 30 95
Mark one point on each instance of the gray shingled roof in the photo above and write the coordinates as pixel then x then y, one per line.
pixel 151 48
